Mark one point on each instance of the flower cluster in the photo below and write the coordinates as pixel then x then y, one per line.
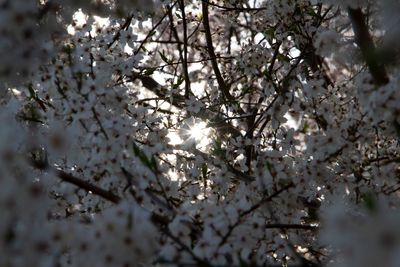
pixel 199 133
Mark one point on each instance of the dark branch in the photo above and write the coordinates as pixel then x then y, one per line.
pixel 235 9
pixel 364 41
pixel 69 178
pixel 215 120
pixel 124 26
pixel 210 48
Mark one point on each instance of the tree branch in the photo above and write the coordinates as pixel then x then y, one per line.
pixel 237 9
pixel 69 178
pixel 124 26
pixel 250 210
pixel 210 48
pixel 177 100
pixel 185 50
pixel 364 41
pixel 153 29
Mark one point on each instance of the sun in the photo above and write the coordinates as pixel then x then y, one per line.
pixel 199 131
pixel 192 131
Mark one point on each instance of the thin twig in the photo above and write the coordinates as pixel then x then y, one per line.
pixel 153 29
pixel 124 26
pixel 251 209
pixel 237 9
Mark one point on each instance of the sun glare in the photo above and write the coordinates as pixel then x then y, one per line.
pixel 174 138
pixel 199 131
pixel 192 132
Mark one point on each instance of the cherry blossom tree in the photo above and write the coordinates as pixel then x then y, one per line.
pixel 199 133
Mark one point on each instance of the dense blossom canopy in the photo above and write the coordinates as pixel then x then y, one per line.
pixel 199 133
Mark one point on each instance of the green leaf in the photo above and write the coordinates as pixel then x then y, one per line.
pixel 152 33
pixel 32 93
pixel 68 49
pixel 178 82
pixel 243 263
pixel 164 57
pixel 148 162
pixel 370 202
pixel 284 182
pixel 204 170
pixel 270 32
pixel 282 57
pixel 306 127
pixel 217 149
pixel 149 71
pixel 310 11
pixel 144 49
pixel 268 165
